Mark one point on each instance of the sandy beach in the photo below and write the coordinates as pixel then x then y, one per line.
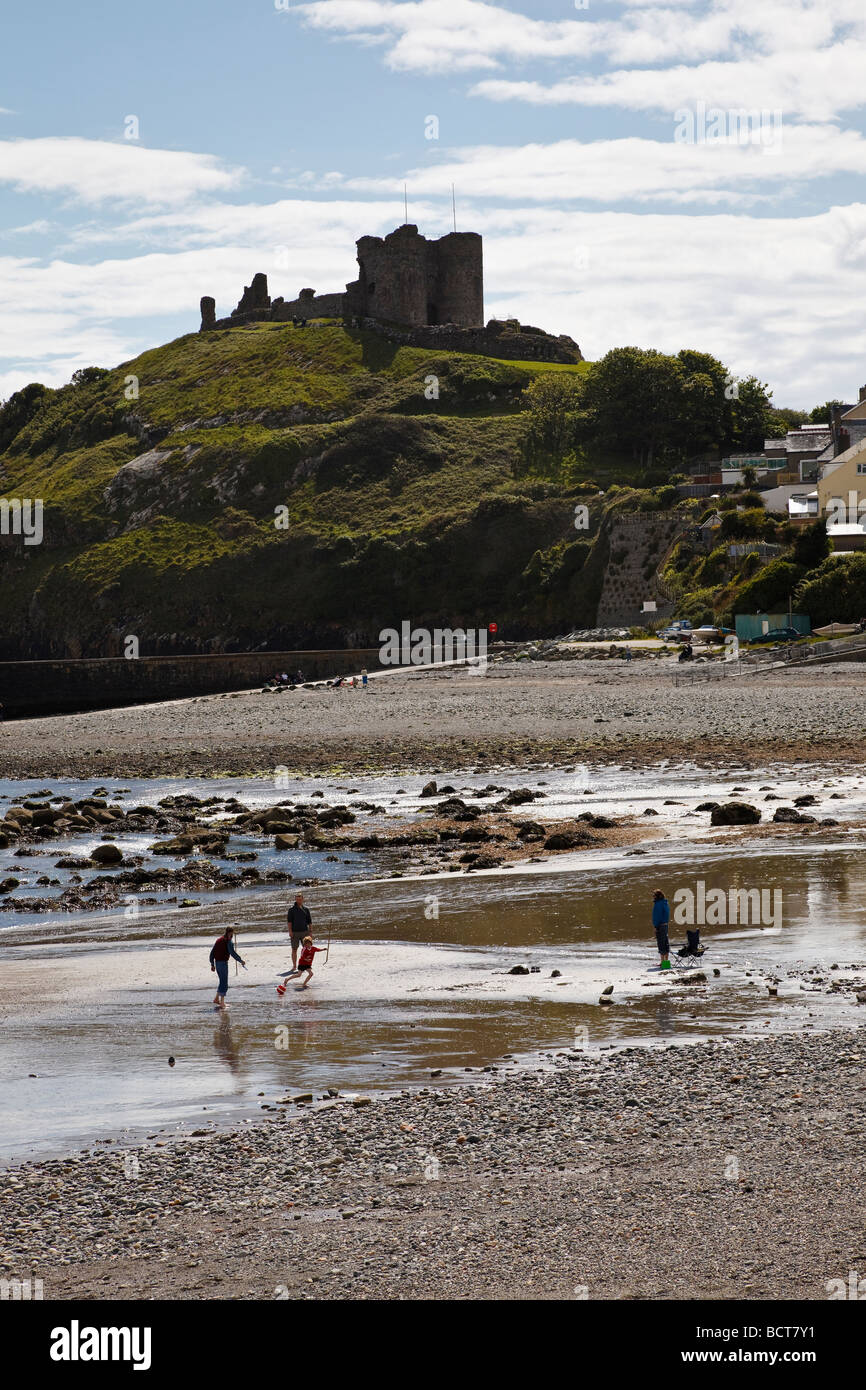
pixel 515 715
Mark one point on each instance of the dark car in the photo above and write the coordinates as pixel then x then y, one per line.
pixel 780 634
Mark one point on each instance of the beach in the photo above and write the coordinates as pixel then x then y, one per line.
pixel 720 1170
pixel 490 1091
pixel 517 715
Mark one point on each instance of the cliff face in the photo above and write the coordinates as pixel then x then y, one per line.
pixel 277 486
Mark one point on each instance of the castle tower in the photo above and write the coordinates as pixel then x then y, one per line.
pixel 406 279
pixel 459 284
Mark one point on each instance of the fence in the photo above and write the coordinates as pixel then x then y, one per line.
pixel 779 659
pixel 641 518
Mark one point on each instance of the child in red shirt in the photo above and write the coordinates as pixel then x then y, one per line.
pixel 305 960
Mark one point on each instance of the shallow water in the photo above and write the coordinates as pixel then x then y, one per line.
pixel 417 975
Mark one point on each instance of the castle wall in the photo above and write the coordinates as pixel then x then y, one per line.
pixel 309 306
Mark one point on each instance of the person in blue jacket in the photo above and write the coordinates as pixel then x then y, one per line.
pixel 661 920
pixel 222 948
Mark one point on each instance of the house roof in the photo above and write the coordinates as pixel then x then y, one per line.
pixel 845 457
pixel 796 441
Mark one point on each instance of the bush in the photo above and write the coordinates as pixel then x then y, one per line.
pixel 770 588
pixel 697 607
pixel 746 525
pixel 836 592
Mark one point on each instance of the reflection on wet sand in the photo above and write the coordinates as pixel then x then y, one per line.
pixel 226 1046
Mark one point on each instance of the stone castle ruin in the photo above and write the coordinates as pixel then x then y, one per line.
pixel 411 290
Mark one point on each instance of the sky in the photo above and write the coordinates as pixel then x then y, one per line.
pixel 681 174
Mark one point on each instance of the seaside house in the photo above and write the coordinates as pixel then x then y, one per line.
pixel 848 424
pixel 842 498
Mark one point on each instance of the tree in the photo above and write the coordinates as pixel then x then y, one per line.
pixel 812 544
pixel 19 410
pixel 85 375
pixel 780 419
pixel 770 588
pixel 553 399
pixel 631 400
pixel 749 523
pixel 823 412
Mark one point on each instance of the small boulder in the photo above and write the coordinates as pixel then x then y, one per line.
pixel 570 839
pixel 735 813
pixel 107 854
pixel 520 796
pixel 285 841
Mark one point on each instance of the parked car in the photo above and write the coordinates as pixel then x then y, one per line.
pixel 780 634
pixel 677 631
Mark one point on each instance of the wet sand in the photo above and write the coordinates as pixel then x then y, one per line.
pixel 522 714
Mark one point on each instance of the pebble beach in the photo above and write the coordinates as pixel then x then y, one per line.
pixel 515 715
pixel 716 1170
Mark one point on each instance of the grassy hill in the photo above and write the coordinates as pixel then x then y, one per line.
pixel 160 510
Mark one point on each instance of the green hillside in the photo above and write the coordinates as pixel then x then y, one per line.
pixel 277 486
pixel 399 505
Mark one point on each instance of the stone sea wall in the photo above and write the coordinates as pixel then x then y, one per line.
pixel 54 687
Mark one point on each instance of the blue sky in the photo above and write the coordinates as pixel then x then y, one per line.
pixel 270 136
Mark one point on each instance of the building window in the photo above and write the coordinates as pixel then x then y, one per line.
pixel 861 468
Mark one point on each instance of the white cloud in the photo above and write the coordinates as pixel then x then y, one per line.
pixel 430 35
pixel 815 85
pixel 803 56
pixel 450 34
pixel 636 169
pixel 100 171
